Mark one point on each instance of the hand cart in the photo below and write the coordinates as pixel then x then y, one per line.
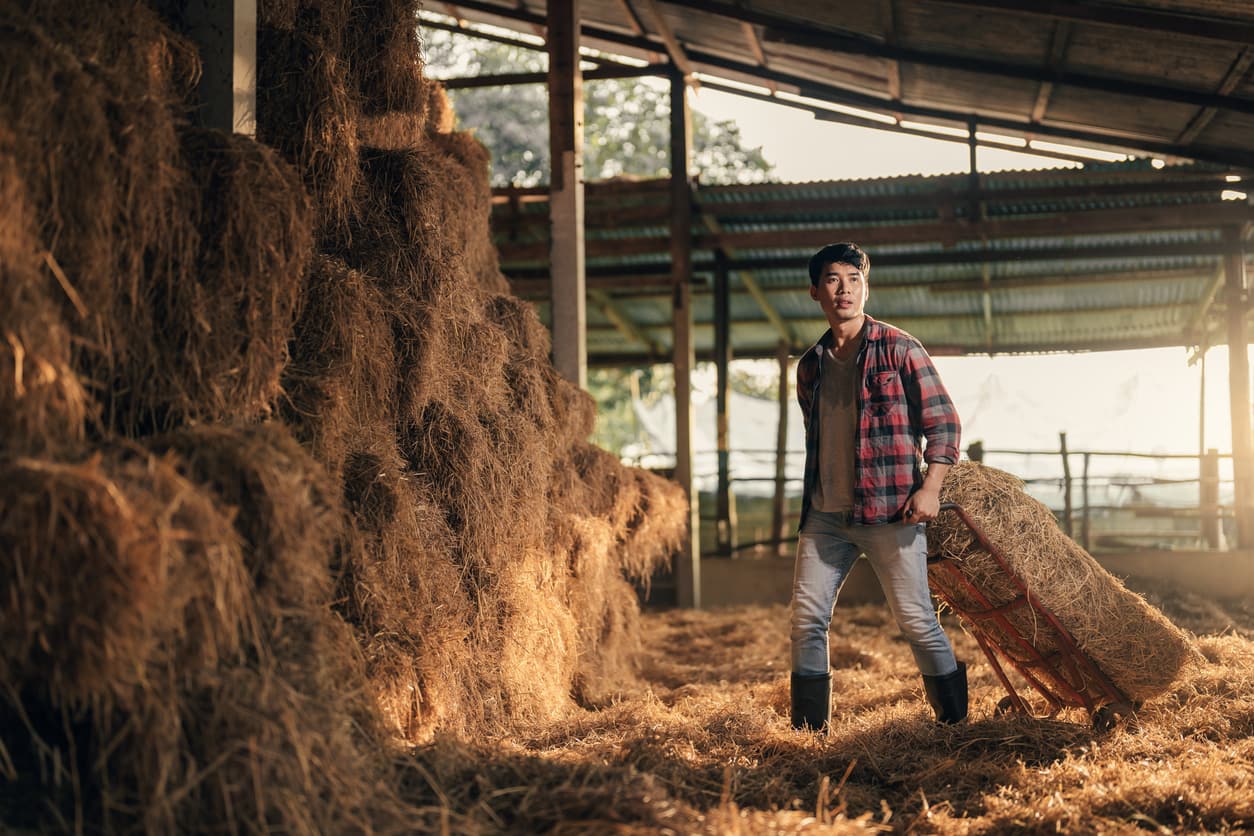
pixel 1050 660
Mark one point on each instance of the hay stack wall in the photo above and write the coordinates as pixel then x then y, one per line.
pixel 1135 645
pixel 287 475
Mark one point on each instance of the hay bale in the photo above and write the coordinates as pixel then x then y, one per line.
pixel 383 50
pixel 539 654
pixel 412 225
pixel 657 527
pixel 94 141
pixel 412 608
pixel 225 322
pixel 1131 642
pixel 399 129
pixel 286 511
pixel 42 403
pixel 344 370
pixel 113 566
pixel 326 18
pixel 306 110
pixel 529 336
pixel 466 151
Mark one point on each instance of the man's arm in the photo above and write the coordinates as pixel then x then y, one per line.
pixel 940 428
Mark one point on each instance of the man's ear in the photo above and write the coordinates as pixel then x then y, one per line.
pixel 814 293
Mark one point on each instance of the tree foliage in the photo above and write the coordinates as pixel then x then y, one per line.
pixel 626 122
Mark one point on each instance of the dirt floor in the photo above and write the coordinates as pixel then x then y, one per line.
pixel 702 744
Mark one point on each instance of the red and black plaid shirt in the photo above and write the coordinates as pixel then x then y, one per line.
pixel 900 402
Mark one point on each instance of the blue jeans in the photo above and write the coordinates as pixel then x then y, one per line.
pixel 826 550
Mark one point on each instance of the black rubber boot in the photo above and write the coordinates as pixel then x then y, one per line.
pixel 948 695
pixel 811 701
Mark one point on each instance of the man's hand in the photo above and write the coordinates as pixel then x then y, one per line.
pixel 922 506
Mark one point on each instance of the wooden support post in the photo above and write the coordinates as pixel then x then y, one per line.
pixel 1066 486
pixel 1208 500
pixel 779 521
pixel 1084 511
pixel 1239 388
pixel 725 526
pixel 566 199
pixel 225 32
pixel 683 356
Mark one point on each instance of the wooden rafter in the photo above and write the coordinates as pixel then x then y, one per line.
pixel 1135 17
pixel 1236 74
pixel 673 47
pixel 622 322
pixel 890 36
pixel 768 310
pixel 820 89
pixel 1059 40
pixel 772 314
pixel 1205 303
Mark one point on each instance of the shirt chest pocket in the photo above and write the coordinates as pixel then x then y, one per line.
pixel 884 392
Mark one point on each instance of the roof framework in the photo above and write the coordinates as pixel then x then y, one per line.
pixel 1113 256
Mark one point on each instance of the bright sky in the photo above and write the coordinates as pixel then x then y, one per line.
pixel 1142 401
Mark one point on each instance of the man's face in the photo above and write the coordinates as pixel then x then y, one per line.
pixel 841 292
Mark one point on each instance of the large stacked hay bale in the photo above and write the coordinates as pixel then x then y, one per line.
pixel 283 462
pixel 1130 641
pixel 178 675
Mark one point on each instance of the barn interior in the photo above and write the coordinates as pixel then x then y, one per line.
pixel 301 527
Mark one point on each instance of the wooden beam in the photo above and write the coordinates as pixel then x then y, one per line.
pixel 778 518
pixel 810 37
pixel 811 34
pixel 567 250
pixel 673 47
pixel 1205 304
pixel 1236 75
pixel 1124 16
pixel 841 95
pixel 1017 282
pixel 615 314
pixel 688 561
pixel 768 310
pixel 1059 40
pixel 510 79
pixel 1072 223
pixel 889 8
pixel 608 209
pixel 643 273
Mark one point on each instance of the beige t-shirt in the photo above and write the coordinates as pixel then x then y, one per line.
pixel 838 427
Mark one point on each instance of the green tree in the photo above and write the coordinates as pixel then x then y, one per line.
pixel 626 121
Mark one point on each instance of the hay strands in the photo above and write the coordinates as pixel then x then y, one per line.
pixel 1064 675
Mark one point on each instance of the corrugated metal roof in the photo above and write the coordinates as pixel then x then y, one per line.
pixel 1112 256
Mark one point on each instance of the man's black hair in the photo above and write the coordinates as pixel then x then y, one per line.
pixel 844 253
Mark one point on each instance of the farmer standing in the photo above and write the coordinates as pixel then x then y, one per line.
pixel 869 394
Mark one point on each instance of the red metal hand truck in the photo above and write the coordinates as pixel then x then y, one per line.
pixel 1050 660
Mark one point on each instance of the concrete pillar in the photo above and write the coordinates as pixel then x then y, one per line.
pixel 566 200
pixel 683 355
pixel 725 512
pixel 1239 388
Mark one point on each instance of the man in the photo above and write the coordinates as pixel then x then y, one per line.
pixel 869 393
